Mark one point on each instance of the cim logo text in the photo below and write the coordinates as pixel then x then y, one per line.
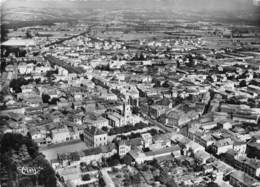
pixel 29 170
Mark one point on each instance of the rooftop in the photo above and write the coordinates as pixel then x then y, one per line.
pixel 94 131
pixel 244 178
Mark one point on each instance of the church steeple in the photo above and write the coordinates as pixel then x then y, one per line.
pixel 127 110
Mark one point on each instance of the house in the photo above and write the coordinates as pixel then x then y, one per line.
pixel 249 166
pixel 109 96
pixel 24 68
pixel 195 147
pixel 63 103
pixel 66 159
pixel 36 134
pixel 97 153
pixel 135 142
pixel 157 110
pixel 160 141
pixel 108 150
pixel 28 88
pixel 254 89
pixel 20 129
pixel 138 156
pixel 53 93
pixel 5 129
pixel 95 137
pixel 88 155
pixel 200 137
pixel 173 150
pixel 208 126
pixel 246 118
pixel 78 96
pixel 60 135
pixel 147 139
pixel 76 132
pixel 39 136
pixel 222 146
pixel 202 156
pixel 239 147
pixel 96 121
pixel 9 67
pixel 115 119
pixel 206 140
pixel 241 179
pixel 253 149
pixel 226 124
pixel 41 69
pixel 123 148
pixel 207 169
pixel 176 118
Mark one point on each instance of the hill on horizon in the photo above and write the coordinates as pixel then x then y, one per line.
pixel 24 10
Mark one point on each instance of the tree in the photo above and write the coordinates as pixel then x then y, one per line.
pixel 86 177
pixel 83 109
pixel 32 147
pixel 166 84
pixel 243 83
pixel 3 62
pixel 4 33
pixel 50 73
pixel 38 81
pixel 23 153
pixel 11 141
pixel 28 34
pixel 104 128
pixel 171 183
pixel 16 84
pixel 153 132
pixel 115 162
pixel 46 176
pixel 26 182
pixel 54 101
pixel 16 149
pixel 29 135
pixel 135 179
pixel 135 110
pixel 45 98
pixel 101 182
pixel 150 102
pixel 145 168
pixel 127 159
pixel 212 184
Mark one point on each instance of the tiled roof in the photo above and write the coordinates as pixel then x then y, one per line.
pixel 94 131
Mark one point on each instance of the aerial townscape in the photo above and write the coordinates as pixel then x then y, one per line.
pixel 114 93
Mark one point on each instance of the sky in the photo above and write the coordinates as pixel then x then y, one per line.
pixel 212 3
pixel 1 1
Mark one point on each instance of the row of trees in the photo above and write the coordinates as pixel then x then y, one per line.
pixel 153 132
pixel 127 128
pixel 116 160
